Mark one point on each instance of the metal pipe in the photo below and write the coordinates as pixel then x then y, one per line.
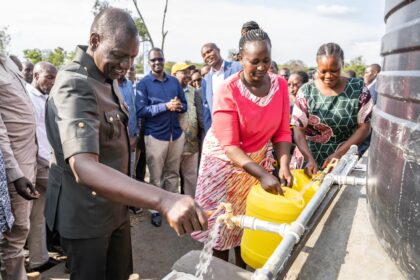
pixel 350 180
pixel 256 224
pixel 277 260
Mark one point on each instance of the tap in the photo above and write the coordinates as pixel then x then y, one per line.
pixel 248 222
pixel 227 218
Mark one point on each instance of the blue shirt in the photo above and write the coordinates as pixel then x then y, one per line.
pixel 151 99
pixel 127 91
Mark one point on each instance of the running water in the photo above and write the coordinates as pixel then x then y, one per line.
pixel 207 253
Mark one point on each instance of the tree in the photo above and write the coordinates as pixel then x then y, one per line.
pixel 295 65
pixel 57 56
pixel 144 33
pixel 142 25
pixel 33 55
pixel 4 39
pixel 164 33
pixel 168 66
pixel 357 64
pixel 69 57
pixel 99 6
pixel 232 53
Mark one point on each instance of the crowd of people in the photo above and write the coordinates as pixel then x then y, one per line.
pixel 75 143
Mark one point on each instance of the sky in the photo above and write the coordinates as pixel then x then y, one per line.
pixel 296 27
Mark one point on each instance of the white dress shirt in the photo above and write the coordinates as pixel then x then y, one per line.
pixel 218 76
pixel 39 100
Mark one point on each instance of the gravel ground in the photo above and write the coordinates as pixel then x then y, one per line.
pixel 155 250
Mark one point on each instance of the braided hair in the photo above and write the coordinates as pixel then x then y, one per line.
pixel 248 26
pixel 253 35
pixel 331 49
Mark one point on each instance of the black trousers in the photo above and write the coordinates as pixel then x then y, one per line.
pixel 108 257
pixel 141 165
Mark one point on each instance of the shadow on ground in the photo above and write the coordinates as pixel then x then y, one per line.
pixel 155 250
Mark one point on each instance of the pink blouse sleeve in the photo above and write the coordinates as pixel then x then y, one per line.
pixel 283 134
pixel 225 123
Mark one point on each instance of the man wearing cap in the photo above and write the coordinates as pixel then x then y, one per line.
pixel 192 124
pixel 159 101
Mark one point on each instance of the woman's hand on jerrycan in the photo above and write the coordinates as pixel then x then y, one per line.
pixel 271 184
pixel 311 167
pixel 285 176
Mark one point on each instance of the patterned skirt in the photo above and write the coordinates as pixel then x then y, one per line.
pixel 220 180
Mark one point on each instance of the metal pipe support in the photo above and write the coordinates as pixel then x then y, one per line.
pixel 350 180
pixel 277 260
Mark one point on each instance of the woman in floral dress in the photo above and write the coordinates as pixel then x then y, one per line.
pixel 251 115
pixel 330 114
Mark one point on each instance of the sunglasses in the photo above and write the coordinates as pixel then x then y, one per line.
pixel 160 59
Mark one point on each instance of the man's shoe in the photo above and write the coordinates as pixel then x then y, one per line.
pixel 34 275
pixel 135 210
pixel 47 265
pixel 156 219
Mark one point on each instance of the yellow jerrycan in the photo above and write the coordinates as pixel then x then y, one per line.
pixel 257 246
pixel 305 185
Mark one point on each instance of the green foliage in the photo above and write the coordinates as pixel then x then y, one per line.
pixel 168 66
pixel 70 57
pixel 139 68
pixel 58 56
pixel 33 55
pixel 99 5
pixel 4 39
pixel 232 53
pixel 294 65
pixel 144 35
pixel 357 64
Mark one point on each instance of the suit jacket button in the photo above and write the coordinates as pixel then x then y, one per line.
pixel 93 193
pixel 81 124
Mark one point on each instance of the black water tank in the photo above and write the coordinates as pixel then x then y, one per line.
pixel 394 156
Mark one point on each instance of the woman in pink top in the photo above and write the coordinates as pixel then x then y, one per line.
pixel 251 115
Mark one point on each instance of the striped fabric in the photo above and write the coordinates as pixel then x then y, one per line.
pixel 220 180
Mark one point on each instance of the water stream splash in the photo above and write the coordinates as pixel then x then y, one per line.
pixel 206 254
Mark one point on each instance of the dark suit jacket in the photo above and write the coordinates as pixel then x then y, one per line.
pixel 207 90
pixel 84 114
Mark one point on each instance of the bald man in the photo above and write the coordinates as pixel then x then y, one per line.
pixel 89 186
pixel 43 80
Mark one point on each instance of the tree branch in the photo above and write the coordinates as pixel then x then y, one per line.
pixel 164 33
pixel 145 26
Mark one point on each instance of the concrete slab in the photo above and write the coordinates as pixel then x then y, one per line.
pixel 344 245
pixel 218 269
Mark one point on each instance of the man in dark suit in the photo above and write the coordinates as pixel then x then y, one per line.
pixel 89 186
pixel 219 71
